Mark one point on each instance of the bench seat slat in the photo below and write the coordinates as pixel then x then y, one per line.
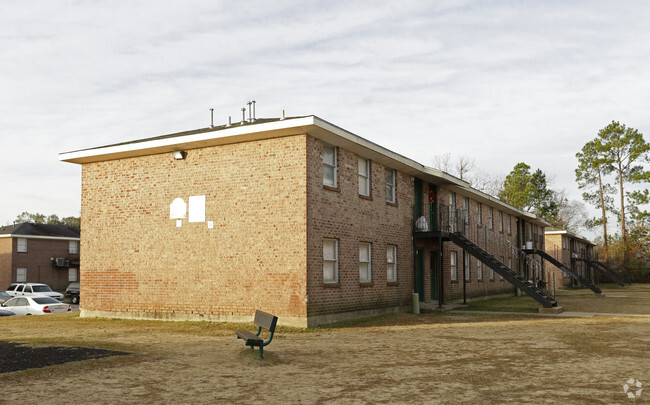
pixel 250 338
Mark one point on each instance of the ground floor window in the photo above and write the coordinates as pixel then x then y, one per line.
pixel 467 267
pixel 330 261
pixel 72 274
pixel 21 275
pixel 365 270
pixel 453 263
pixel 479 270
pixel 391 263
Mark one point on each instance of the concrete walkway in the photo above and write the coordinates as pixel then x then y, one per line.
pixel 565 314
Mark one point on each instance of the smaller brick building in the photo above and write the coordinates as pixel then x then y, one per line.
pixel 39 253
pixel 573 251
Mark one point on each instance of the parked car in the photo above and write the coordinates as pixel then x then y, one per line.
pixel 33 290
pixel 72 292
pixel 4 296
pixel 35 306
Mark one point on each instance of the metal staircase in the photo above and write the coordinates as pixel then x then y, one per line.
pixel 538 294
pixel 605 270
pixel 565 269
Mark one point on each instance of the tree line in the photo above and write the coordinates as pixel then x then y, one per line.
pixel 612 172
pixel 52 219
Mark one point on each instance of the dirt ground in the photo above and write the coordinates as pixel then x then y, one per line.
pixel 440 358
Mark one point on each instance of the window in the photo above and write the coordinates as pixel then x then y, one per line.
pixel 73 247
pixel 491 275
pixel 490 217
pixel 563 242
pixel 391 263
pixel 454 266
pixel 452 212
pixel 364 177
pixel 479 217
pixel 72 274
pixel 510 263
pixel 509 224
pixel 479 270
pixel 467 267
pixel 329 166
pixel 21 275
pixel 390 185
pixel 22 245
pixel 365 270
pixel 501 221
pixel 330 261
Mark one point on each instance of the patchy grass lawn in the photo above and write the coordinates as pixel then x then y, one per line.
pixel 402 358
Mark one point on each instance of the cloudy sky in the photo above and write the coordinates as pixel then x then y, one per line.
pixel 500 82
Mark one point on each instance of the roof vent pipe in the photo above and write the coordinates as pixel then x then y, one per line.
pixel 229 122
pixel 211 117
pixel 253 103
pixel 282 116
pixel 243 116
pixel 250 119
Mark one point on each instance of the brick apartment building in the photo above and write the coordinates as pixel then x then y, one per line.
pixel 38 253
pixel 294 216
pixel 574 252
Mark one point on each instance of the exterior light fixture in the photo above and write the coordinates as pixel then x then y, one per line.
pixel 179 154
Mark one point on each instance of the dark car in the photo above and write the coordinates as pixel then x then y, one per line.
pixel 6 313
pixel 72 292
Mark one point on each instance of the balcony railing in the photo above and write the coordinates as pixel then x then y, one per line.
pixel 500 244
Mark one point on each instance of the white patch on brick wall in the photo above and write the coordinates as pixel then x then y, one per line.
pixel 210 224
pixel 179 223
pixel 177 209
pixel 197 209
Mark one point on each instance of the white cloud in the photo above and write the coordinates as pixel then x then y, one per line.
pixel 503 83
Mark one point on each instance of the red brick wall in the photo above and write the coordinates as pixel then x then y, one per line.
pixel 344 215
pixel 136 260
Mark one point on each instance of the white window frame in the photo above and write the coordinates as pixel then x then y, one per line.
pixel 501 221
pixel 391 263
pixel 491 274
pixel 479 270
pixel 364 176
pixel 490 218
pixel 453 265
pixel 333 261
pixel 365 262
pixel 479 216
pixel 73 274
pixel 509 227
pixel 73 247
pixel 391 194
pixel 21 275
pixel 333 166
pixel 21 245
pixel 468 269
pixel 452 212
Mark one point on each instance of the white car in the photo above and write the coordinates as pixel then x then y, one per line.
pixel 35 306
pixel 33 290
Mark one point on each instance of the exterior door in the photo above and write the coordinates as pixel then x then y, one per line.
pixel 419 273
pixel 435 286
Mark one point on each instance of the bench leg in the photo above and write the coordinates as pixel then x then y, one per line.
pixel 262 352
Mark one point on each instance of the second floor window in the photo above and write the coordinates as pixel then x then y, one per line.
pixel 364 177
pixel 390 185
pixel 329 166
pixel 73 248
pixel 21 245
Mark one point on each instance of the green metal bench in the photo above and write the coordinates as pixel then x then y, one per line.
pixel 263 321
